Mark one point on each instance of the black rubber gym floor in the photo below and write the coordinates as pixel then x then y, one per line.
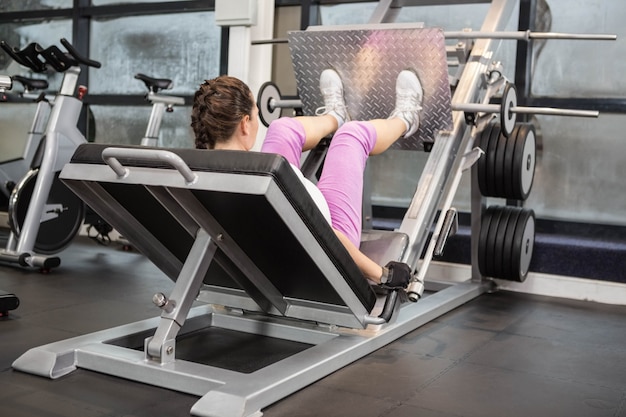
pixel 503 354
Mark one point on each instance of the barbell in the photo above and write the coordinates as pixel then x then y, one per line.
pixel 508 109
pixel 522 35
pixel 270 104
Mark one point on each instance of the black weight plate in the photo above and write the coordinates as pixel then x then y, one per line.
pixel 491 240
pixel 509 154
pixel 516 247
pixel 483 143
pixel 267 92
pixel 523 243
pixel 499 171
pixel 524 161
pixel 500 237
pixel 507 118
pixel 507 246
pixel 490 178
pixel 517 161
pixel 528 246
pixel 483 243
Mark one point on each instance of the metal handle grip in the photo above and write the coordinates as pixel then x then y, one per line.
pixel 111 157
pixel 390 305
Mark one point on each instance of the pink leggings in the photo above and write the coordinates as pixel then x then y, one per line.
pixel 341 182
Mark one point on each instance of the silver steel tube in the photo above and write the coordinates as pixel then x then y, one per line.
pixel 154 123
pixel 495 108
pixel 284 104
pixel 549 111
pixel 448 196
pixel 528 35
pixel 473 107
pixel 514 35
pixel 182 296
pixel 70 79
pixel 110 157
pixel 163 98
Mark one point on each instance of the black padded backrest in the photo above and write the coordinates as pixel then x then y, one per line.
pixel 249 219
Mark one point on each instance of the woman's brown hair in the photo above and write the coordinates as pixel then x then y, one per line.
pixel 218 107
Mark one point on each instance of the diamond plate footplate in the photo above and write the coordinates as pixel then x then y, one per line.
pixel 368 61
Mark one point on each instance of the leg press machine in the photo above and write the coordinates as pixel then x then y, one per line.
pixel 237 232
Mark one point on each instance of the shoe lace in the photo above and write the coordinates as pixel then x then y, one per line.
pixel 407 101
pixel 333 100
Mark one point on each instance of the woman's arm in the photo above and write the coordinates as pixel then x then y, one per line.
pixel 369 268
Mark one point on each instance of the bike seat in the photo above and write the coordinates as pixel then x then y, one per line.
pixel 31 83
pixel 155 84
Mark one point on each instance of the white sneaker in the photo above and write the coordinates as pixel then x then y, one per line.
pixel 408 101
pixel 332 91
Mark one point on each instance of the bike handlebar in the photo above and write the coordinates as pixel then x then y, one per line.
pixel 28 56
pixel 81 59
pixel 53 56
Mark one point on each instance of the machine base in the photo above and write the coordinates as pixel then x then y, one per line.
pixel 228 393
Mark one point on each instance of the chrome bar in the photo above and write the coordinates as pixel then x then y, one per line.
pixel 513 35
pixel 495 108
pixel 528 35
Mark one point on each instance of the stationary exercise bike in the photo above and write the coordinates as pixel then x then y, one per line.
pixel 8 301
pixel 44 215
pixel 13 165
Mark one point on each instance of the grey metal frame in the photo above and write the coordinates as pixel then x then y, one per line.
pixel 160 104
pixel 62 138
pixel 338 336
pixel 15 169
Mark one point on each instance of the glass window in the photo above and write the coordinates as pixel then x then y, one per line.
pixel 347 14
pixel 580 68
pixel 184 47
pixel 126 125
pixel 110 2
pixel 24 5
pixel 580 171
pixel 455 17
